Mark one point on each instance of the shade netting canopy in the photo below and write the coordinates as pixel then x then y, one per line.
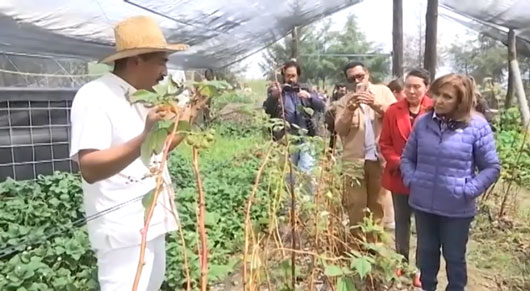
pixel 220 32
pixel 494 18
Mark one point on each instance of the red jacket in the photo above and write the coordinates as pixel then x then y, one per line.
pixel 394 135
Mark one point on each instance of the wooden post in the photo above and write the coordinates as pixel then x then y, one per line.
pixel 510 94
pixel 294 45
pixel 431 33
pixel 397 39
pixel 517 80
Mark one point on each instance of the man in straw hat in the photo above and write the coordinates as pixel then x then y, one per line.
pixel 107 133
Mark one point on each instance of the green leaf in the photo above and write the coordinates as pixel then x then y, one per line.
pixel 54 202
pixel 60 282
pixel 174 88
pixel 161 88
pixel 159 140
pixel 362 266
pixel 309 111
pixel 206 91
pixel 218 272
pixel 183 126
pixel 147 200
pixel 345 284
pixel 144 96
pixel 146 150
pixel 164 124
pixel 211 218
pixel 153 144
pixel 217 84
pixel 334 271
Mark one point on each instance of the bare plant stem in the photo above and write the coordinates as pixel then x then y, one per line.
pixel 317 196
pixel 247 215
pixel 293 202
pixel 159 181
pixel 201 222
pixel 293 228
pixel 519 154
pixel 488 192
pixel 183 242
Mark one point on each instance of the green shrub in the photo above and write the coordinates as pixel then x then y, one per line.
pixel 513 148
pixel 30 211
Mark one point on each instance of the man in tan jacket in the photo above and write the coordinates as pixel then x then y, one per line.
pixel 358 123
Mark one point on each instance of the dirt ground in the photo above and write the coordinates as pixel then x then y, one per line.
pixel 477 280
pixel 480 277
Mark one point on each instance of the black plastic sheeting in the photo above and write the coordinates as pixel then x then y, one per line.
pixel 34 132
pixel 220 32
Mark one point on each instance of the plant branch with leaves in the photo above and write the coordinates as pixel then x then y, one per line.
pixel 172 99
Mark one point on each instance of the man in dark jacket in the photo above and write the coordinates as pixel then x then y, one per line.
pixel 338 92
pixel 298 101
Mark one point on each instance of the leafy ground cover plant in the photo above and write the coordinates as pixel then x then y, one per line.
pixel 246 197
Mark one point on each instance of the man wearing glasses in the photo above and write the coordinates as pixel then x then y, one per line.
pixel 358 123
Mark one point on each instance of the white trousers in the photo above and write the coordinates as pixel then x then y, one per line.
pixel 117 267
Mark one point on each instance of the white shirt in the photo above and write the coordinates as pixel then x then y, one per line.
pixel 102 117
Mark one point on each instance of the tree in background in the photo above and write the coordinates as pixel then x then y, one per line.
pixel 485 58
pixel 316 42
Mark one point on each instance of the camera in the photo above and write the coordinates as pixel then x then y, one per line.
pixel 291 88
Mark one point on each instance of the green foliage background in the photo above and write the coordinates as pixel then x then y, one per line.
pixel 30 210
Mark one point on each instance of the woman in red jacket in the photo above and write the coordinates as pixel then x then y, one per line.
pixel 397 126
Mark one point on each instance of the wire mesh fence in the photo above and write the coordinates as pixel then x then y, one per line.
pixel 34 132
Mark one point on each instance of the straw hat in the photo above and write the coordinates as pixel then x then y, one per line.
pixel 140 35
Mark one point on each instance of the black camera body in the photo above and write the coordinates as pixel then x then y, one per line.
pixel 310 126
pixel 291 88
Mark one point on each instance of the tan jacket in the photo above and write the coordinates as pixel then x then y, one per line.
pixel 350 125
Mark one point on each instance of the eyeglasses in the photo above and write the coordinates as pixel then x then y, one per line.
pixel 358 77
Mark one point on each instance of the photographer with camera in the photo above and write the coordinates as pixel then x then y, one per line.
pixel 295 97
pixel 358 123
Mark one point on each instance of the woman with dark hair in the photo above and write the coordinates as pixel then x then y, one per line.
pixel 397 125
pixel 397 86
pixel 450 159
pixel 480 104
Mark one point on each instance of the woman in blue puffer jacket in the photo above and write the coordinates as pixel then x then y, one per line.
pixel 449 160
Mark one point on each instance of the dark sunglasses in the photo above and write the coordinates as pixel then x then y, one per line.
pixel 358 77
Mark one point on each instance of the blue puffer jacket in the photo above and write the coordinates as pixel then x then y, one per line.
pixel 447 170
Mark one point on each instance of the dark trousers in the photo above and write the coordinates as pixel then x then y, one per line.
pixel 451 235
pixel 402 216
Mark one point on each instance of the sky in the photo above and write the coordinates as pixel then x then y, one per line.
pixel 374 18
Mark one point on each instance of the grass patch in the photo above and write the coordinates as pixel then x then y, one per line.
pixel 223 148
pixel 258 88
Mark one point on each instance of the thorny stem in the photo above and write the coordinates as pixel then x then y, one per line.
pixel 159 180
pixel 201 222
pixel 247 215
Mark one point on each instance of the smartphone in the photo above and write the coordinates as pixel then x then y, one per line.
pixel 361 87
